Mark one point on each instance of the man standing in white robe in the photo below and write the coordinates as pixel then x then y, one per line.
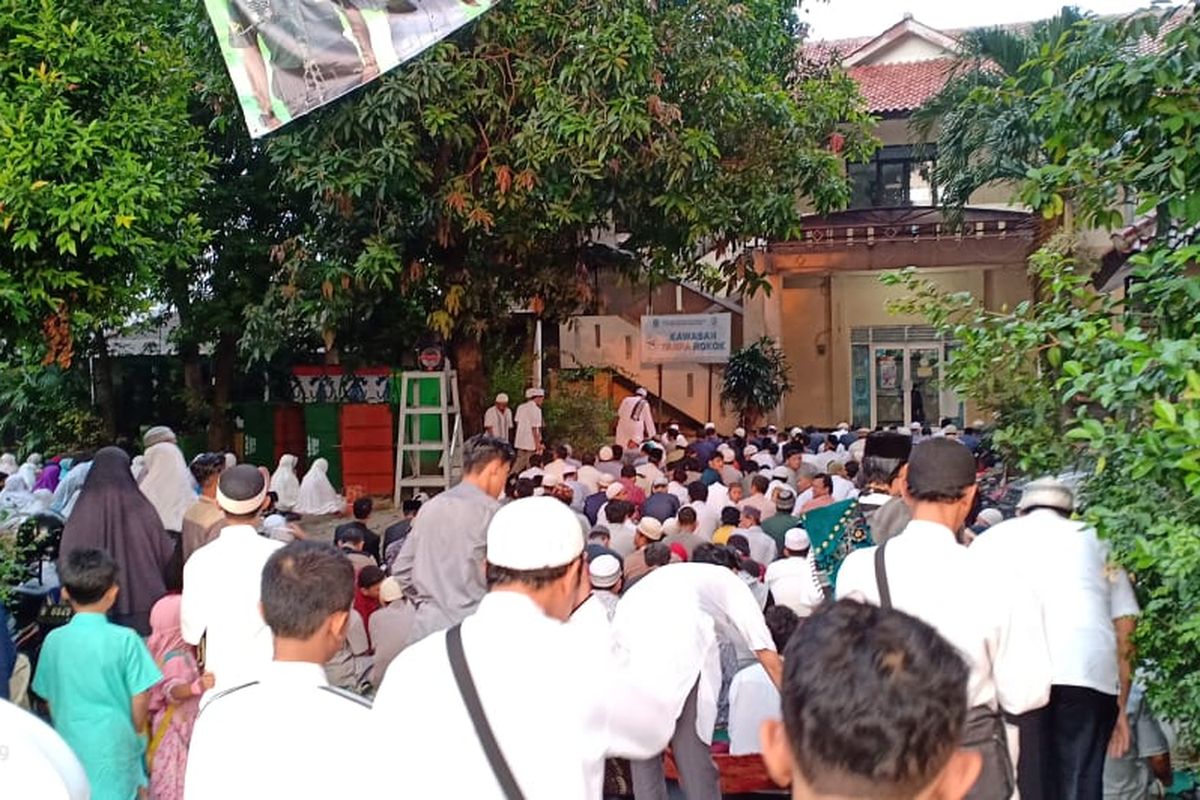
pixel 635 421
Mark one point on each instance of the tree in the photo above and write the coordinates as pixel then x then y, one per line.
pixel 1112 383
pixel 100 165
pixel 984 127
pixel 488 175
pixel 756 380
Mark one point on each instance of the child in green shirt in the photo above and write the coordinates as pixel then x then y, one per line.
pixel 96 676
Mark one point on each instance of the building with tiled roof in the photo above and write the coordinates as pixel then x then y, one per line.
pixel 852 357
pixel 901 87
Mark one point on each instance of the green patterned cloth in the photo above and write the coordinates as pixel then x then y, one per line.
pixel 835 532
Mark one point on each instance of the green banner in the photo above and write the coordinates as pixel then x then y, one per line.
pixel 288 57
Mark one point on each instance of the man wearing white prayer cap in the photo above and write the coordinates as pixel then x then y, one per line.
pixel 512 668
pixel 1090 612
pixel 605 573
pixel 529 427
pixel 498 419
pixel 635 421
pixel 793 579
pixel 222 583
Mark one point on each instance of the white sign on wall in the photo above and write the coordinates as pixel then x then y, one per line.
pixel 687 338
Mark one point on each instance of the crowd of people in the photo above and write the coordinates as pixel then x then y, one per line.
pixel 842 607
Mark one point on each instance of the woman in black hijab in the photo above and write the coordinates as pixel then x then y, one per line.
pixel 114 515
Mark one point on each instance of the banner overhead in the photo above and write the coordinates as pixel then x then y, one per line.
pixel 288 57
pixel 687 338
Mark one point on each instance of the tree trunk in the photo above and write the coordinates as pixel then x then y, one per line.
pixel 220 432
pixel 105 395
pixel 467 356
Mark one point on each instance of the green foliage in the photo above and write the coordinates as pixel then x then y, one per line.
pixel 756 379
pixel 509 373
pixel 101 163
pixel 46 410
pixel 574 414
pixel 475 178
pixel 986 131
pixel 13 560
pixel 1111 384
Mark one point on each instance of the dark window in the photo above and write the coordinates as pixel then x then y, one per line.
pixel 895 176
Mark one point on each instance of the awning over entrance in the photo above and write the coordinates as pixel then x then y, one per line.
pixel 890 238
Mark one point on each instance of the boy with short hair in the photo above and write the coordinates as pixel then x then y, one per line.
pixel 363 507
pixel 874 704
pixel 96 676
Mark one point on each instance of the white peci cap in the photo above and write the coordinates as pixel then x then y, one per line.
pixel 1047 492
pixel 781 472
pixel 532 393
pixel 614 490
pixel 534 533
pixel 796 540
pixel 604 571
pixel 740 433
pixel 604 480
pixel 671 527
pixel 651 528
pixel 502 398
pixel 550 480
pixel 750 451
pixel 605 454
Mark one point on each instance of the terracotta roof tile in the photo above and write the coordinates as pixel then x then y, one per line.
pixel 901 86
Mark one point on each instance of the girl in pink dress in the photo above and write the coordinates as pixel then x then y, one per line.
pixel 174 701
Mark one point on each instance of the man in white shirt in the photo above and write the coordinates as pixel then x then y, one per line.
pixel 258 739
pixel 523 664
pixel 635 421
pixel 222 581
pixel 995 624
pixel 1090 610
pixel 707 520
pixel 762 547
pixel 666 630
pixel 678 486
pixel 528 420
pixel 498 419
pixel 793 579
pixel 753 698
pixel 589 476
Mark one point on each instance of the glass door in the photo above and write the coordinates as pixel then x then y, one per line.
pixel 925 396
pixel 890 393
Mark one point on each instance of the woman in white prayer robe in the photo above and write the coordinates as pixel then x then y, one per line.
pixel 317 495
pixel 168 484
pixel 285 484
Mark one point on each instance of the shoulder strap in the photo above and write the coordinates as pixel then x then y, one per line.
pixel 881 580
pixel 466 687
pixel 346 695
